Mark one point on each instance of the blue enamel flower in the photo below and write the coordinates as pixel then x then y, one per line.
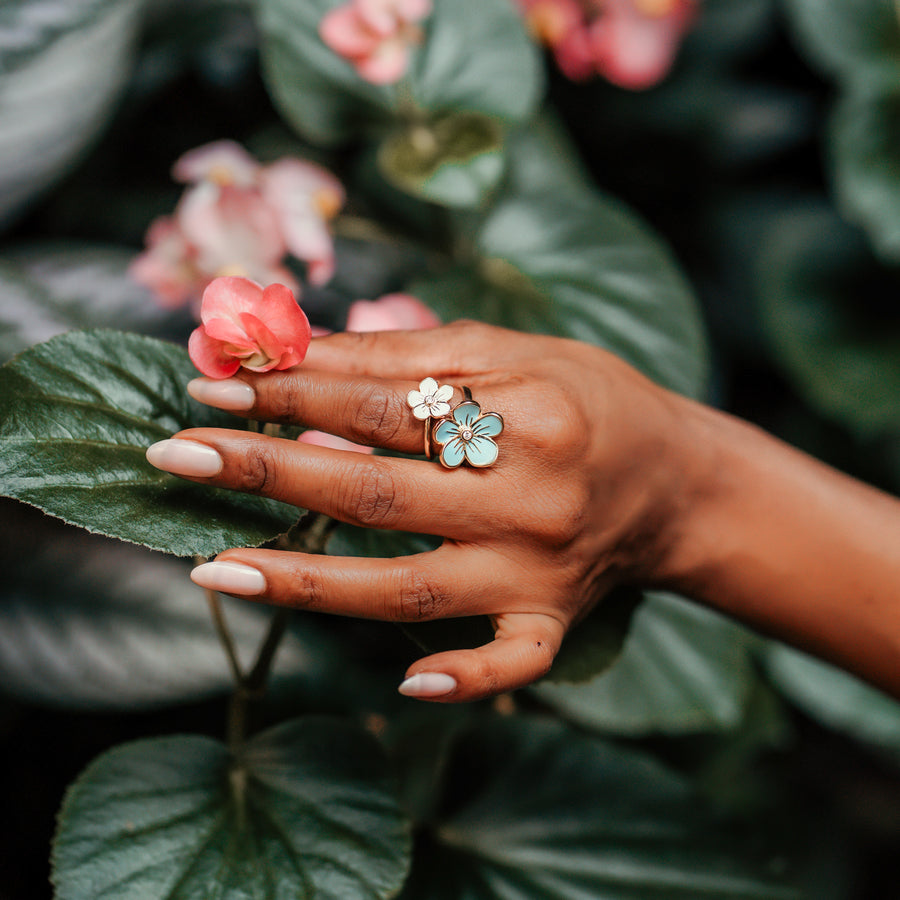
pixel 468 436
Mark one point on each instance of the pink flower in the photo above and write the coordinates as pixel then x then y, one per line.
pixel 392 312
pixel 635 41
pixel 245 325
pixel 240 218
pixel 631 43
pixel 375 36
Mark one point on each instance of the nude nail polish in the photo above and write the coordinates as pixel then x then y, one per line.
pixel 230 577
pixel 427 684
pixel 182 457
pixel 229 394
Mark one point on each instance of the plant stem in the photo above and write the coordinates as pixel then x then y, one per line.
pixel 227 641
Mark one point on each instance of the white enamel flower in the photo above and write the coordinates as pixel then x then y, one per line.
pixel 430 400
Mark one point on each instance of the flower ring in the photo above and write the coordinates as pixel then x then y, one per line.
pixel 430 401
pixel 467 436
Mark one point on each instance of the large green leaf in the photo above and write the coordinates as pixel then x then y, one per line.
pixel 865 141
pixel 306 810
pixel 682 669
pixel 46 289
pixel 856 39
pixel 77 414
pixel 534 811
pixel 90 623
pixel 837 699
pixel 833 317
pixel 575 263
pixel 62 66
pixel 476 57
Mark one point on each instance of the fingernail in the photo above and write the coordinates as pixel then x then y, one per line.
pixel 230 577
pixel 427 684
pixel 230 394
pixel 184 458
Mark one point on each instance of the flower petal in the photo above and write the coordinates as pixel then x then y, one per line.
pixel 453 453
pixel 489 425
pixel 440 408
pixel 445 431
pixel 444 393
pixel 428 386
pixel 209 356
pixel 415 398
pixel 481 451
pixel 466 413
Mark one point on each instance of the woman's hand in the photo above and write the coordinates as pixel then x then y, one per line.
pixel 578 500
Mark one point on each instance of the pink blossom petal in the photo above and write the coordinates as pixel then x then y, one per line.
pixel 228 332
pixel 575 55
pixel 392 312
pixel 387 64
pixel 267 344
pixel 209 356
pixel 228 297
pixel 279 310
pixel 222 162
pixel 347 34
pixel 320 271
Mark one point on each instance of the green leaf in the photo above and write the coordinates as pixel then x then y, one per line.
pixel 61 70
pixel 77 414
pixel 307 809
pixel 531 809
pixel 47 289
pixel 90 623
pixel 836 698
pixel 476 57
pixel 576 264
pixel 455 161
pixel 831 311
pixel 865 142
pixel 683 669
pixel 855 39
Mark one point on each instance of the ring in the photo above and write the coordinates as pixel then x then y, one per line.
pixel 465 433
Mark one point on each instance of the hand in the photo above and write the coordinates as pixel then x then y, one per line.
pixel 580 498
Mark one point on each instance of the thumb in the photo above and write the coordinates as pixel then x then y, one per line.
pixel 522 651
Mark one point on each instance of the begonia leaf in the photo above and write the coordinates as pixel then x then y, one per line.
pixel 77 414
pixel 828 306
pixel 682 669
pixel 62 67
pixel 533 809
pixel 306 809
pixel 94 624
pixel 47 289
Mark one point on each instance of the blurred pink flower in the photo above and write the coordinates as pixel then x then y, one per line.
pixel 240 218
pixel 392 312
pixel 243 324
pixel 631 43
pixel 375 35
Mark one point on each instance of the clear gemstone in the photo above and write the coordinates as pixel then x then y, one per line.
pixel 466 434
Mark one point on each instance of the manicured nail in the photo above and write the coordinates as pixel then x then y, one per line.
pixel 230 577
pixel 229 394
pixel 427 684
pixel 184 458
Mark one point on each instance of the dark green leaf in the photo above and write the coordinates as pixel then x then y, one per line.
pixel 455 161
pixel 306 810
pixel 77 414
pixel 856 39
pixel 683 669
pixel 90 623
pixel 832 313
pixel 534 811
pixel 476 57
pixel 62 66
pixel 578 265
pixel 866 151
pixel 46 289
pixel 837 699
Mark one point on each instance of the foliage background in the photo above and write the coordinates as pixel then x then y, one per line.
pixel 767 161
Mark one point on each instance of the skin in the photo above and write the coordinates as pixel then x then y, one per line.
pixel 603 478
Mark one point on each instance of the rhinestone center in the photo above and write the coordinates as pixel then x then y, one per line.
pixel 466 434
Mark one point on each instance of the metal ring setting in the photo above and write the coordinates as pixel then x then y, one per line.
pixel 465 433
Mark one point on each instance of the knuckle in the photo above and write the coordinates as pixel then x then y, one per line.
pixel 306 591
pixel 284 401
pixel 256 474
pixel 378 415
pixel 487 677
pixel 374 499
pixel 420 600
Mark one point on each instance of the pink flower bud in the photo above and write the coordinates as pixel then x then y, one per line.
pixel 246 325
pixel 392 312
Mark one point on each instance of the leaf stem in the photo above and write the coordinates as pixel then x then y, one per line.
pixel 222 630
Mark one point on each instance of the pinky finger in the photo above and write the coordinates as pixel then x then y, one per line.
pixel 522 651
